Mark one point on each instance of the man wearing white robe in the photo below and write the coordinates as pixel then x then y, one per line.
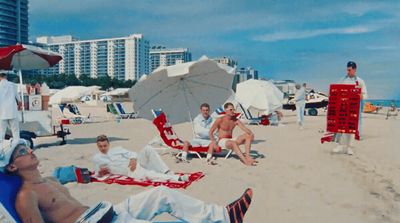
pixel 9 100
pixel 344 139
pixel 146 164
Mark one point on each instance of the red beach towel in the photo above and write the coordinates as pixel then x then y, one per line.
pixel 124 180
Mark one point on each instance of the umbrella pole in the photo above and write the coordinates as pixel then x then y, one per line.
pixel 22 95
pixel 188 109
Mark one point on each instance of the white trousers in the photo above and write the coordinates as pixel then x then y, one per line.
pixel 151 166
pixel 300 112
pixel 14 127
pixel 343 139
pixel 145 206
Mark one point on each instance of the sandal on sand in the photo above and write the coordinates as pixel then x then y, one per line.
pixel 211 162
pixel 237 209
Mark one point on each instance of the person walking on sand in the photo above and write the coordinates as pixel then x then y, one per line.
pixel 225 126
pixel 344 139
pixel 300 100
pixel 9 101
pixel 43 199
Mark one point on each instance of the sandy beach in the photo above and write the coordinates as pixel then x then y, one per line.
pixel 299 180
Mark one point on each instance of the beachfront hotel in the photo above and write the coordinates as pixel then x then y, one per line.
pixel 162 56
pixel 13 22
pixel 123 58
pixel 227 61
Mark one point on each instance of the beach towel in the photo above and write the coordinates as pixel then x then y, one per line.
pixel 124 180
pixel 9 186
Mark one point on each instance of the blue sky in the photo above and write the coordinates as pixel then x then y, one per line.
pixel 307 41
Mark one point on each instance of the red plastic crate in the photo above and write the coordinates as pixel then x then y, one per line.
pixel 343 109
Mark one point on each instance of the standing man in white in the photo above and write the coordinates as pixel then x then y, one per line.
pixel 342 138
pixel 300 99
pixel 9 101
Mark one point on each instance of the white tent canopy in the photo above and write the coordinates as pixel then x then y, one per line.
pixel 72 93
pixel 117 92
pixel 259 96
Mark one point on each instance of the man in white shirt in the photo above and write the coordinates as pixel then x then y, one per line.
pixel 300 100
pixel 202 125
pixel 342 138
pixel 9 101
pixel 146 164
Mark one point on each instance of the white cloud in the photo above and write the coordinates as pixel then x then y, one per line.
pixel 303 34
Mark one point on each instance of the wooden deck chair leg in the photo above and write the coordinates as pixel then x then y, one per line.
pixel 228 154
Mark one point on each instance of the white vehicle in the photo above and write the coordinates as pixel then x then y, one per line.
pixel 314 100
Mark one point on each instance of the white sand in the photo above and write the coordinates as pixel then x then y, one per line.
pixel 299 180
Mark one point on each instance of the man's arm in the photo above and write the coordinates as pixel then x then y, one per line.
pixel 28 207
pixel 214 127
pixel 244 128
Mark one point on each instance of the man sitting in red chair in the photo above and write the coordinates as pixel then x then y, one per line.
pixel 225 126
pixel 202 125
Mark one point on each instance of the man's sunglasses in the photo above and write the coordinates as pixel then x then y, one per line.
pixel 21 152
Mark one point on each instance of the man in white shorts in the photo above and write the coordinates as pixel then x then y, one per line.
pixel 225 126
pixel 146 164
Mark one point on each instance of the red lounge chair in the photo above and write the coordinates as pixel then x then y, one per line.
pixel 169 137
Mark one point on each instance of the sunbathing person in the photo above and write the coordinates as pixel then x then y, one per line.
pixel 42 200
pixel 225 125
pixel 146 164
pixel 202 125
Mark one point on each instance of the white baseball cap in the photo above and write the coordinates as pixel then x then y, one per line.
pixel 7 153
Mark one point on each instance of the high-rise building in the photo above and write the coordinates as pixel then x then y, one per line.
pixel 247 73
pixel 13 22
pixel 124 58
pixel 161 56
pixel 227 61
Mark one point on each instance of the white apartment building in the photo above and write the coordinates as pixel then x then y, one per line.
pixel 124 58
pixel 227 61
pixel 161 56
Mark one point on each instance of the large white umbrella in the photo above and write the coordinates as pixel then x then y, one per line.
pixel 180 89
pixel 25 57
pixel 71 94
pixel 259 96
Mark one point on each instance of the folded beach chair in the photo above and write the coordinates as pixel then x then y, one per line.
pixel 170 139
pixel 9 187
pixel 64 119
pixel 121 111
pixel 249 117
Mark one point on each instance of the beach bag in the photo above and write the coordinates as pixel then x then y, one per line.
pixel 72 173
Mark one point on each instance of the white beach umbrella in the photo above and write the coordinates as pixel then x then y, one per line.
pixel 180 89
pixel 259 96
pixel 71 94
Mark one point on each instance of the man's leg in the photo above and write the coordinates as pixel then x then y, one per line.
pixel 247 140
pixel 14 126
pixel 148 204
pixel 143 173
pixel 231 144
pixel 185 151
pixel 3 129
pixel 149 159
